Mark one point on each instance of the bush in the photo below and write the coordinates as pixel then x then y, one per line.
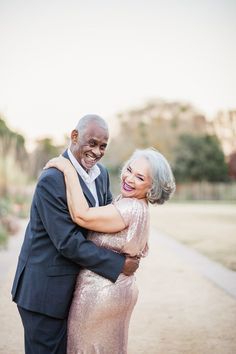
pixel 3 236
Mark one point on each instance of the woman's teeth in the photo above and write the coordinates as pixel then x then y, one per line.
pixel 127 187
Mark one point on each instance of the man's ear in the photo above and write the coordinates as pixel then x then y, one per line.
pixel 74 136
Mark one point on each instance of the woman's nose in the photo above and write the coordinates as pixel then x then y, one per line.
pixel 130 177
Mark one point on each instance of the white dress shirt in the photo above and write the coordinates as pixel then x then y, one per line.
pixel 88 178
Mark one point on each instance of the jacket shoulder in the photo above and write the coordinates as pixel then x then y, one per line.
pixel 51 179
pixel 50 174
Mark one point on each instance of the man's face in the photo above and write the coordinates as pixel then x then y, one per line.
pixel 89 146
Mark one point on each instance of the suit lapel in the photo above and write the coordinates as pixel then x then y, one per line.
pixel 87 192
pixel 85 189
pixel 98 183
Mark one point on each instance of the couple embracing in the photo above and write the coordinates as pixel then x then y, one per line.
pixel 74 285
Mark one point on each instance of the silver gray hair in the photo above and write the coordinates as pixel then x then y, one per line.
pixel 163 182
pixel 86 120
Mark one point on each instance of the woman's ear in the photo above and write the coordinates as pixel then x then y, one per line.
pixel 74 136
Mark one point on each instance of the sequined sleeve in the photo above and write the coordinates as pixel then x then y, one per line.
pixel 136 218
pixel 127 207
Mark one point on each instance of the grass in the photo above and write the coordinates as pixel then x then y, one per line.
pixel 210 228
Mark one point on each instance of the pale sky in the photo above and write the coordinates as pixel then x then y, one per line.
pixel 61 59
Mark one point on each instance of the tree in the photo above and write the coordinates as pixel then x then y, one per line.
pixel 199 158
pixel 13 158
pixel 157 123
pixel 43 152
pixel 232 165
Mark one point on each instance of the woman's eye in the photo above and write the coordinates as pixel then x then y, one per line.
pixel 141 178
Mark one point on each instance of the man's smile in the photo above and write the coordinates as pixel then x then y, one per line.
pixel 91 158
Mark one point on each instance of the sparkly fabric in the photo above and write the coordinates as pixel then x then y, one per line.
pixel 100 312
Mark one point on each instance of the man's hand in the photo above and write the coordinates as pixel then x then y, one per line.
pixel 131 265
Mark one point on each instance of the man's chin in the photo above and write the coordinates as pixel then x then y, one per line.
pixel 87 166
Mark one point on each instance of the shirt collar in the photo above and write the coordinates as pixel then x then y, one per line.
pixel 89 177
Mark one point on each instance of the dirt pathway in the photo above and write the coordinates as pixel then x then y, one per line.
pixel 179 310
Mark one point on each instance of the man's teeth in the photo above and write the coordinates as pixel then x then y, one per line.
pixel 91 158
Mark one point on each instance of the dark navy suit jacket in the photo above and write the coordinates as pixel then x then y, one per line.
pixel 55 248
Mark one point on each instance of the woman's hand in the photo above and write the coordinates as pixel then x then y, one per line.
pixel 60 162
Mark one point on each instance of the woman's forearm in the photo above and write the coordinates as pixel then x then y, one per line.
pixel 102 219
pixel 76 201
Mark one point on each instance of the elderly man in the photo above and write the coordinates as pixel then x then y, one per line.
pixel 55 249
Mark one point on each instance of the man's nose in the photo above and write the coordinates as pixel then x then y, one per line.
pixel 96 151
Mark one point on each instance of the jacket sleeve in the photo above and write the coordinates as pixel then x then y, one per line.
pixel 66 236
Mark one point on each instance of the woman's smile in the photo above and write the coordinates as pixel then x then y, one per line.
pixel 127 187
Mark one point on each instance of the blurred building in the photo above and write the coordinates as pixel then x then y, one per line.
pixel 224 127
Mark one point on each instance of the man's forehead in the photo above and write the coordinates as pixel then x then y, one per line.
pixel 95 130
pixel 97 138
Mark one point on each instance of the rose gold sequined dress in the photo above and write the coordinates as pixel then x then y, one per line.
pixel 100 311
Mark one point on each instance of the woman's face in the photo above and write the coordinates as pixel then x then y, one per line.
pixel 136 179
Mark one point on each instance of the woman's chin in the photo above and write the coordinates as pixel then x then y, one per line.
pixel 126 194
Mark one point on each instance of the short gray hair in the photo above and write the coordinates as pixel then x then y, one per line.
pixel 163 182
pixel 87 119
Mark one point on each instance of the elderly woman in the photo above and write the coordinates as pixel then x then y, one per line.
pixel 100 311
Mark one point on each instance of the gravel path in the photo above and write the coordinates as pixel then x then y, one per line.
pixel 179 311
